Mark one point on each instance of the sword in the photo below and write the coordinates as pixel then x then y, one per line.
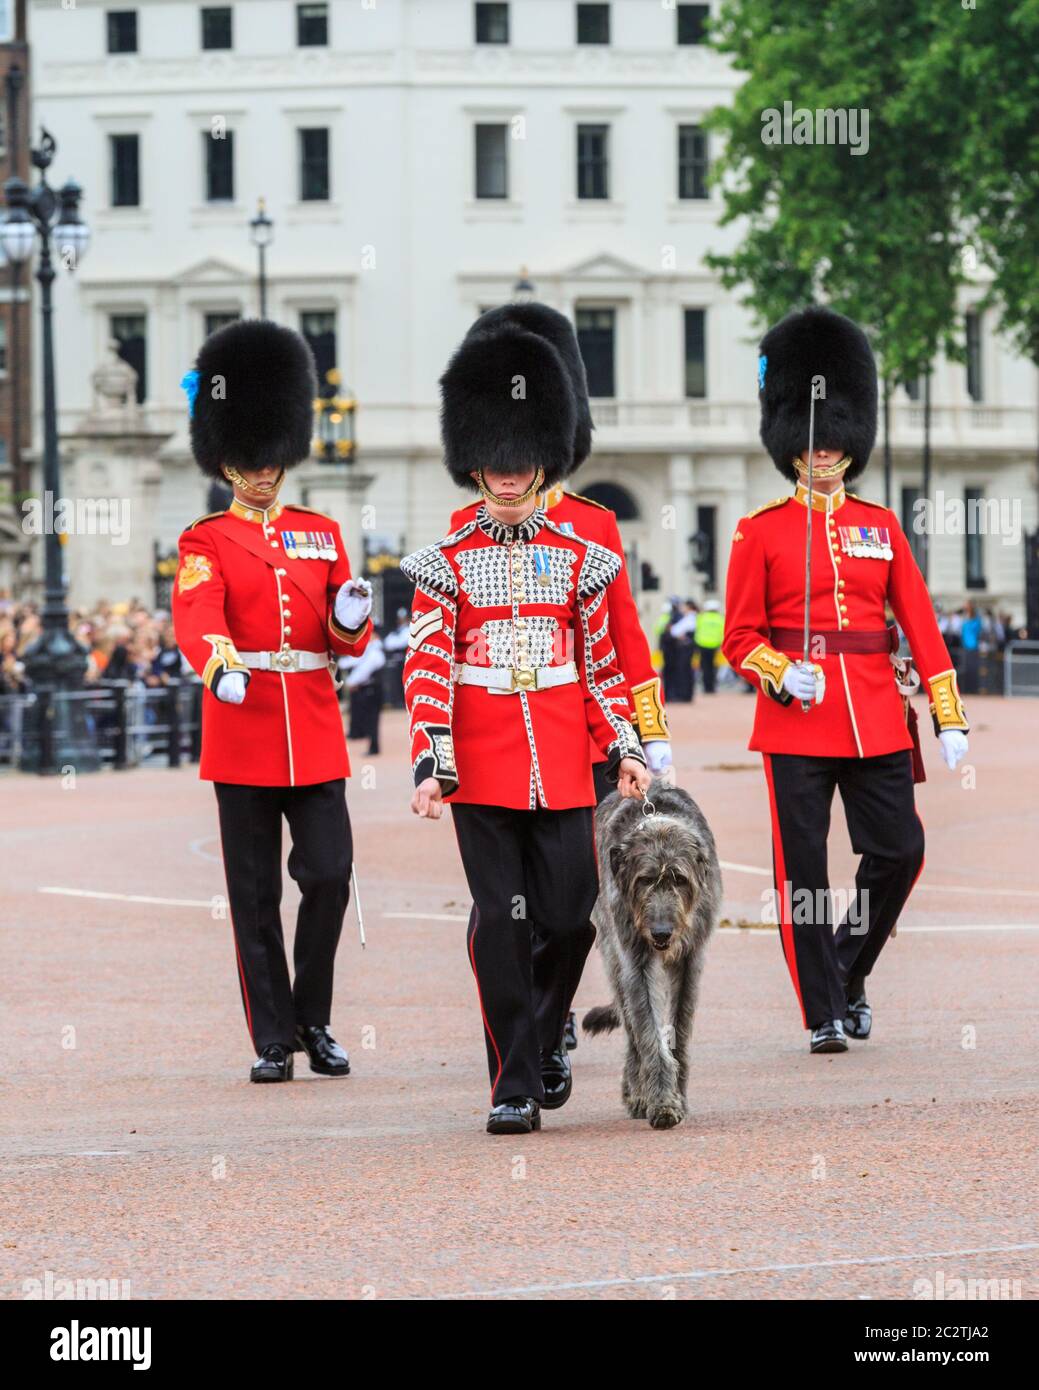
pixel 357 904
pixel 806 705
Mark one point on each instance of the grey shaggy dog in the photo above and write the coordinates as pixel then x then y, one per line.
pixel 659 898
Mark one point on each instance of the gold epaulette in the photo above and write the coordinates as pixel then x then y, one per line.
pixel 776 502
pixel 854 497
pixel 590 500
pixel 208 517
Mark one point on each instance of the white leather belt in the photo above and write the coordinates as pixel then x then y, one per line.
pixel 285 661
pixel 506 680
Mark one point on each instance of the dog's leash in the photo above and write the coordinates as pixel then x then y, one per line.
pixel 648 807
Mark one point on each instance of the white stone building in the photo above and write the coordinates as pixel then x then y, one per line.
pixel 413 157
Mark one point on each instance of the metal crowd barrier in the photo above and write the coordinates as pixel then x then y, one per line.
pixel 115 724
pixel 1021 668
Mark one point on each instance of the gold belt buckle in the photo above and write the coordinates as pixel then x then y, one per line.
pixel 523 678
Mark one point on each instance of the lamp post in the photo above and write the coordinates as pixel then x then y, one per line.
pixel 55 661
pixel 261 232
pixel 524 290
pixel 335 409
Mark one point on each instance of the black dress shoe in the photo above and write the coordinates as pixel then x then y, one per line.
pixel 557 1078
pixel 519 1115
pixel 829 1037
pixel 273 1064
pixel 858 1018
pixel 570 1032
pixel 327 1058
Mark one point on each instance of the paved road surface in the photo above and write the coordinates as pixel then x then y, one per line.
pixel 133 1149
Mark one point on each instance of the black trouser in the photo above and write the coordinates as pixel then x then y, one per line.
pixel 320 860
pixel 365 711
pixel 534 882
pixel 884 828
pixel 707 668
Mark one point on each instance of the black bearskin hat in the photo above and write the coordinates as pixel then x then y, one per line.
pixel 557 328
pixel 507 402
pixel 253 398
pixel 816 342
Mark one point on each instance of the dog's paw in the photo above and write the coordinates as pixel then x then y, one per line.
pixel 635 1106
pixel 666 1116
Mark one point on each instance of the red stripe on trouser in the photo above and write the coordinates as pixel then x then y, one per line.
pixel 479 996
pixel 786 926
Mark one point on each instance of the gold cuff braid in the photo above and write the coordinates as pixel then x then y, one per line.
pixel 946 706
pixel 225 658
pixel 650 718
pixel 769 666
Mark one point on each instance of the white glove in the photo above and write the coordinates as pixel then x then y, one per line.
pixel 658 754
pixel 804 682
pixel 231 688
pixel 353 603
pixel 954 747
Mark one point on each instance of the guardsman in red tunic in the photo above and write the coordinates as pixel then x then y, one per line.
pixel 263 602
pixel 580 516
pixel 858 733
pixel 511 667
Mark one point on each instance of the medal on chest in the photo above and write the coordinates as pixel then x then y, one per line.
pixel 309 545
pixel 866 542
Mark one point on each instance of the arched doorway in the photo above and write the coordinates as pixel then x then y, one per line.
pixel 619 500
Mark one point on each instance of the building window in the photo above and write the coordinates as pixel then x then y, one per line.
pixel 696 353
pixel 219 157
pixel 692 162
pixel 492 23
pixel 125 164
pixel 914 535
pixel 313 165
pixel 974 538
pixel 312 26
pixel 492 161
pixel 128 330
pixel 318 327
pixel 593 23
pixel 122 31
pixel 214 322
pixel 593 161
pixel 216 27
pixel 913 389
pixel 595 338
pixel 692 23
pixel 975 384
pixel 705 546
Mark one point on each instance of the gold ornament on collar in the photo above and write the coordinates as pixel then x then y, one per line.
pixel 823 470
pixel 532 491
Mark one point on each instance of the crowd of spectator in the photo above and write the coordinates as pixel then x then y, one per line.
pixel 125 641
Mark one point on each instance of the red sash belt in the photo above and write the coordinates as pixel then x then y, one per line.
pixel 837 643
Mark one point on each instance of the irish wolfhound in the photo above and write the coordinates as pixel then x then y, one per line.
pixel 659 898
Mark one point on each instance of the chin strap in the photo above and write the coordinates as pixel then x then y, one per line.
pixel 489 496
pixel 823 470
pixel 266 490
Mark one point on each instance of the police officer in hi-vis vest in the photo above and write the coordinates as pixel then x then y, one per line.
pixel 263 603
pixel 843 721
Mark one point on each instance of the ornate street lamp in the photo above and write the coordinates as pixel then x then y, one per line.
pixel 55 661
pixel 524 290
pixel 335 410
pixel 261 232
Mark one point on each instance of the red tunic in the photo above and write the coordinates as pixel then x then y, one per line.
pixel 580 516
pixel 861 563
pixel 242 586
pixel 518 599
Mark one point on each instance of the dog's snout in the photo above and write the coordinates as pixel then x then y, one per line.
pixel 661 933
